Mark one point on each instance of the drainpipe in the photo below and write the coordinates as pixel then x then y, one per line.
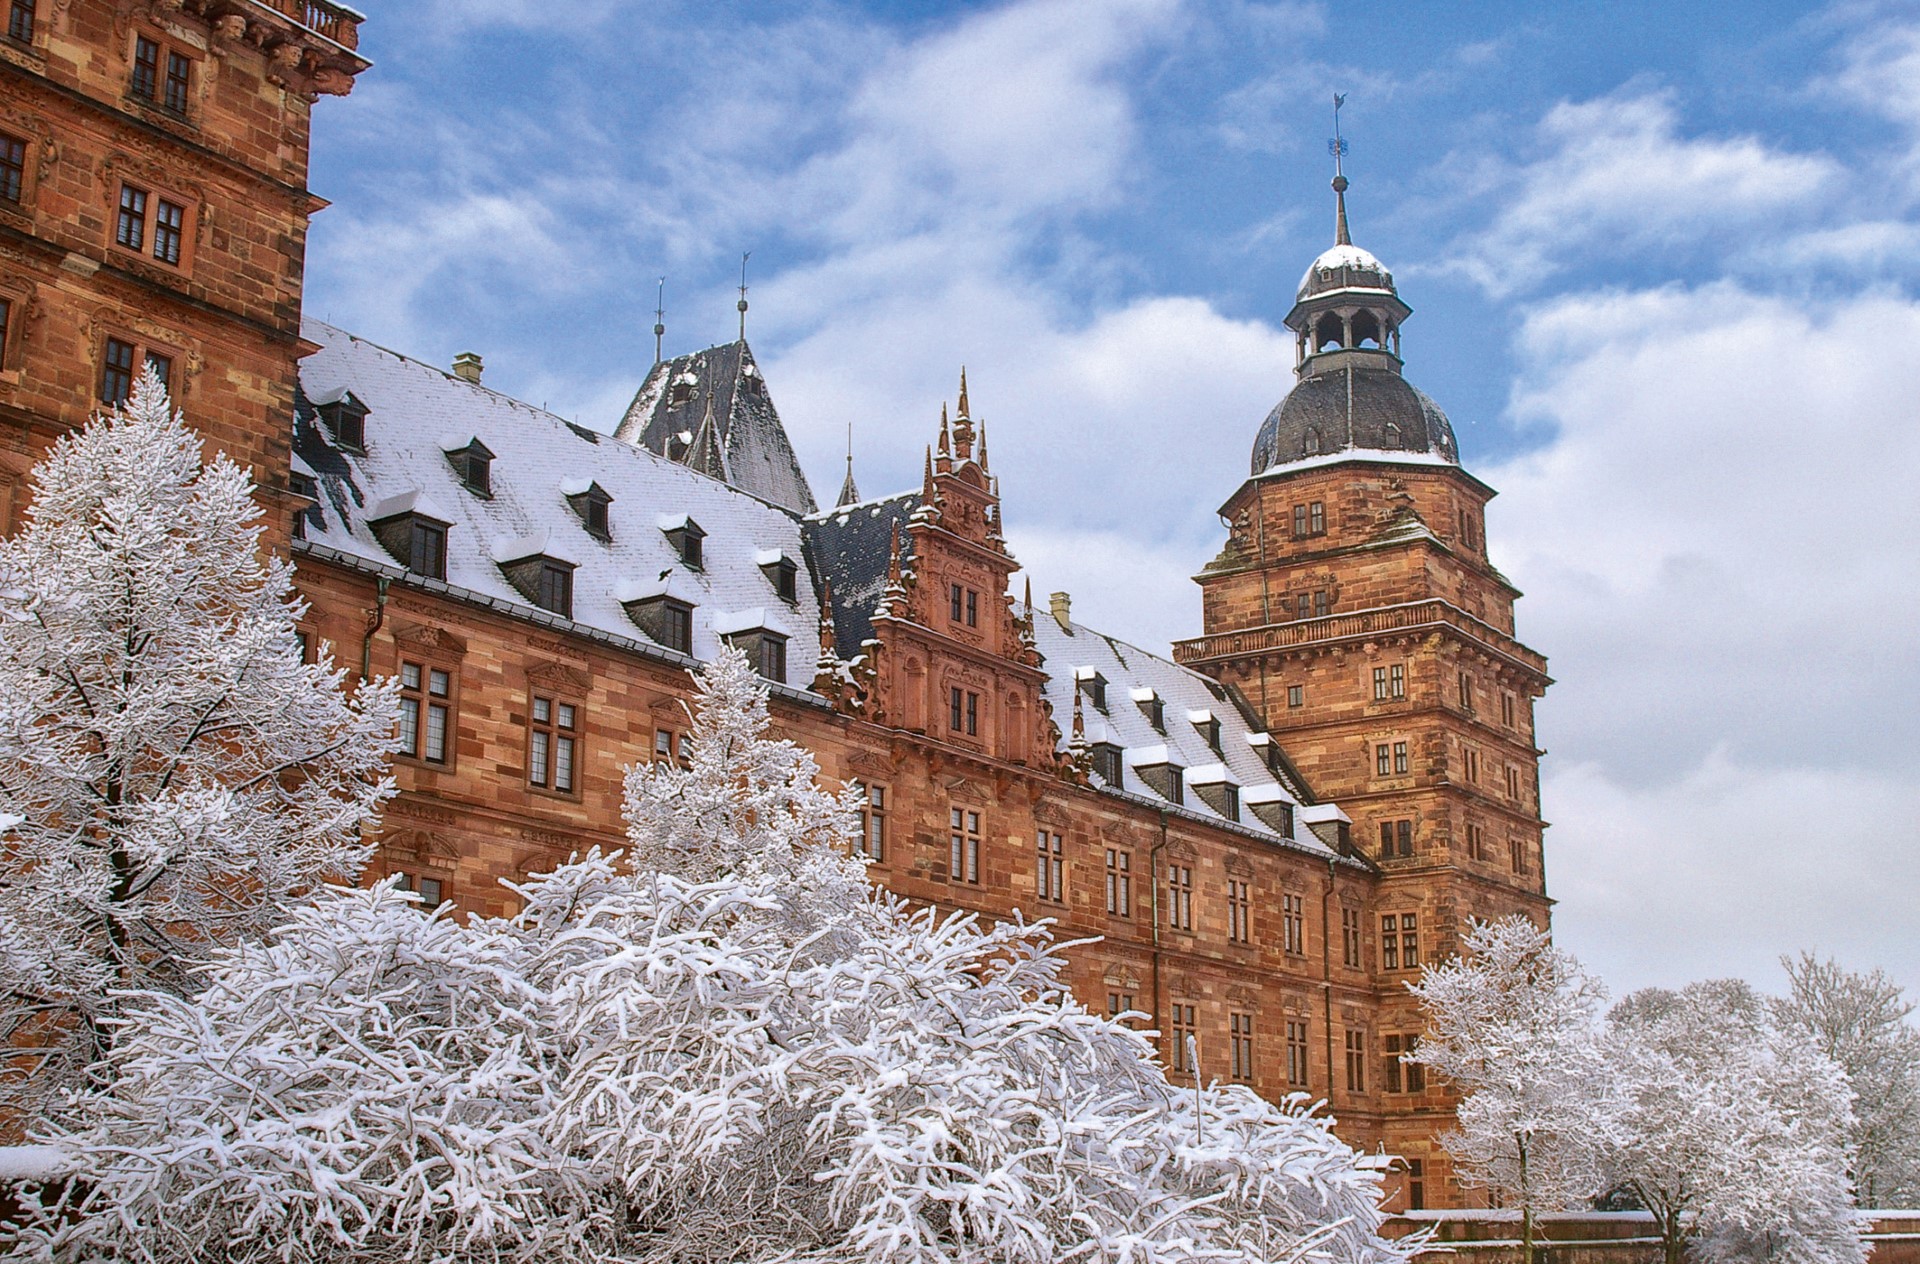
pixel 1326 969
pixel 1153 884
pixel 374 622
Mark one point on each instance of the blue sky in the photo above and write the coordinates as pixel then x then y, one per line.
pixel 1662 258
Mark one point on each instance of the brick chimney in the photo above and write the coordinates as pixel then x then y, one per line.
pixel 1062 606
pixel 467 366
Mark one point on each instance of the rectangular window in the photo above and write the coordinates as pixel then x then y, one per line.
pixel 162 367
pixel 1506 709
pixel 1296 1053
pixel 1296 696
pixel 1390 941
pixel 953 603
pixel 20 21
pixel 676 626
pixel 963 853
pixel 425 696
pixel 873 824
pixel 1239 911
pixel 973 608
pixel 956 708
pixel 1182 1029
pixel 665 744
pixel 1305 605
pixel 1416 1185
pixel 1466 693
pixel 1240 1032
pixel 1390 1064
pixel 6 327
pixel 13 168
pixel 1379 684
pixel 179 76
pixel 773 657
pixel 116 372
pixel 1317 518
pixel 1049 868
pixel 1119 1003
pixel 1293 923
pixel 1350 937
pixel 1119 882
pixel 1356 1061
pixel 1400 763
pixel 963 711
pixel 1517 854
pixel 1321 605
pixel 555 591
pixel 146 69
pixel 553 751
pixel 130 228
pixel 1476 842
pixel 1180 897
pixel 1396 838
pixel 1401 1076
pixel 1513 782
pixel 1383 760
pixel 1397 681
pixel 1299 521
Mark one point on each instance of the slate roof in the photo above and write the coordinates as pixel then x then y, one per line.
pixel 747 446
pixel 417 413
pixel 1077 651
pixel 849 547
pixel 1352 407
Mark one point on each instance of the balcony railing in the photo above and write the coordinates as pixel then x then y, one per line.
pixel 335 21
pixel 1363 623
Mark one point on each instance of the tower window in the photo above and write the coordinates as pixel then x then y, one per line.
pixel 179 77
pixel 13 168
pixel 146 69
pixel 20 21
pixel 1309 519
pixel 1390 683
pixel 1396 838
pixel 1296 696
pixel 130 228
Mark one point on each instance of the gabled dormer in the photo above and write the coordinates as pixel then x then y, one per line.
pixel 536 573
pixel 782 572
pixel 1152 706
pixel 589 503
pixel 472 464
pixel 345 418
pixel 414 530
pixel 686 536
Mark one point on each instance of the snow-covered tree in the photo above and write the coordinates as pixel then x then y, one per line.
pixel 171 770
pixel 1860 1021
pixel 730 1048
pixel 1512 1023
pixel 1731 1130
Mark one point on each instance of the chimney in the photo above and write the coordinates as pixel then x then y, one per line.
pixel 1062 605
pixel 467 367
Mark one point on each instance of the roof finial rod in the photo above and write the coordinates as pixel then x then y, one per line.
pixel 742 304
pixel 1338 148
pixel 659 318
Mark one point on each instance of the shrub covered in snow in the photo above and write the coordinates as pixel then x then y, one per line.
pixel 171 772
pixel 724 1046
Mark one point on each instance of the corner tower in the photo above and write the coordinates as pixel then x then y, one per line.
pixel 1354 603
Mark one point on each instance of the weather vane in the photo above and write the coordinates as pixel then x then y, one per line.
pixel 742 304
pixel 1336 146
pixel 659 318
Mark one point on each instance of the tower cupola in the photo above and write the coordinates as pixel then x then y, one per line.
pixel 1346 311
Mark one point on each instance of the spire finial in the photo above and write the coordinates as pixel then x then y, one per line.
pixel 946 444
pixel 659 318
pixel 742 304
pixel 849 494
pixel 1338 148
pixel 963 393
pixel 983 447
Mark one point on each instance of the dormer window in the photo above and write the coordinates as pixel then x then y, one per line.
pixel 345 418
pixel 1164 777
pixel 1213 789
pixel 1154 707
pixel 591 506
pixel 666 619
pixel 1106 762
pixel 415 534
pixel 474 465
pixel 685 535
pixel 302 486
pixel 682 389
pixel 543 579
pixel 765 649
pixel 782 572
pixel 1207 725
pixel 1094 685
pixel 1393 436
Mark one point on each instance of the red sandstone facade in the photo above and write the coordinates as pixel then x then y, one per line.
pixel 1280 967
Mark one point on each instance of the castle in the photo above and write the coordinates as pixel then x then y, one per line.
pixel 1268 834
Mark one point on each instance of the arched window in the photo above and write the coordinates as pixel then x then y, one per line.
pixel 1312 446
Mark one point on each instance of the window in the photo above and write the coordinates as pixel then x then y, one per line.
pixel 1296 1053
pixel 1399 942
pixel 1180 897
pixel 1239 911
pixel 1304 605
pixel 1513 782
pixel 1119 882
pixel 1310 519
pixel 1240 1036
pixel 673 624
pixel 963 711
pixel 963 605
pixel 1350 937
pixel 1154 707
pixel 146 69
pixel 1506 710
pixel 427 550
pixel 1383 759
pixel 1517 854
pixel 963 858
pixel 1322 606
pixel 873 824
pixel 1296 696
pixel 1466 693
pixel 130 228
pixel 1356 1061
pixel 1476 842
pixel 179 77
pixel 685 535
pixel 784 575
pixel 1119 1003
pixel 1470 762
pixel 169 221
pixel 1400 763
pixel 346 419
pixel 1049 868
pixel 771 656
pixel 1095 687
pixel 20 21
pixel 6 327
pixel 474 466
pixel 1293 923
pixel 116 372
pixel 591 508
pixel 1403 1077
pixel 1396 838
pixel 663 746
pixel 432 894
pixel 426 694
pixel 1183 1029
pixel 1416 1185
pixel 555 590
pixel 13 168
pixel 553 751
pixel 1389 682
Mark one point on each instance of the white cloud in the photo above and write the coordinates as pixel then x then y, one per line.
pixel 1616 175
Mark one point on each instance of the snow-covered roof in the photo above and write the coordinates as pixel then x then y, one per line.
pixel 1352 258
pixel 539 458
pixel 849 549
pixel 1134 678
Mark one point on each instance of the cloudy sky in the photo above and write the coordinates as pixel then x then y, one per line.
pixel 1663 257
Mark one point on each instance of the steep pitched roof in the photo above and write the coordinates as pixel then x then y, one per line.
pixel 418 413
pixel 749 444
pixel 849 547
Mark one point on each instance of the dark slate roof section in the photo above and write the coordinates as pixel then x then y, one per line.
pixel 758 457
pixel 848 547
pixel 1352 408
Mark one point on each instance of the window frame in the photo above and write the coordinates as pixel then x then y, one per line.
pixel 417 708
pixel 1050 867
pixel 1180 896
pixel 1296 697
pixel 1298 1046
pixel 1293 924
pixel 15 173
pixel 548 722
pixel 1240 1045
pixel 22 21
pixel 553 587
pixel 1239 911
pixel 1183 1025
pixel 873 822
pixel 963 845
pixel 1351 937
pixel 1356 1044
pixel 143 353
pixel 154 84
pixel 1119 882
pixel 147 249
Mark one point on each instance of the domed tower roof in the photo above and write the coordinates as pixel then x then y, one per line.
pixel 1350 395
